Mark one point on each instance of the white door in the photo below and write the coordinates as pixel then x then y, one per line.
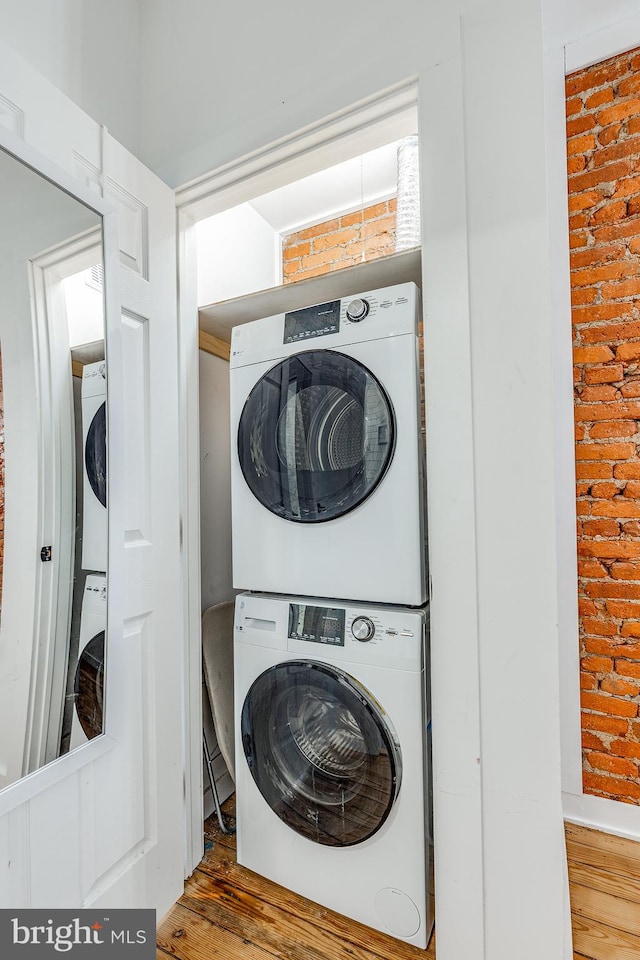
pixel 103 825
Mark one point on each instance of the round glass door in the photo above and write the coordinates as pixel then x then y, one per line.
pixel 316 436
pixel 88 686
pixel 321 752
pixel 95 454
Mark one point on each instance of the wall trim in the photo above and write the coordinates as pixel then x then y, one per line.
pixel 602 45
pixel 270 167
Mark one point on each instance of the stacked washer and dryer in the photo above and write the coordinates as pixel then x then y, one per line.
pixel 86 668
pixel 330 644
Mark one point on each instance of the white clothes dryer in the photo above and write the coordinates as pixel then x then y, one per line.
pixel 94 444
pixel 326 462
pixel 88 687
pixel 332 756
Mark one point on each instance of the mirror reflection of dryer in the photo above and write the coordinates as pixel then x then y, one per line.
pixel 327 463
pixel 94 435
pixel 88 686
pixel 332 756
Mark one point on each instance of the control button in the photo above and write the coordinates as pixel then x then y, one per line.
pixel 406 633
pixel 357 310
pixel 391 631
pixel 363 629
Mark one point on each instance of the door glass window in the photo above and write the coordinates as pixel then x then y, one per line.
pixel 88 688
pixel 321 752
pixel 96 454
pixel 316 436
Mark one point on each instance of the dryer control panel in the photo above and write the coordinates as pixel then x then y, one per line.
pixel 323 319
pixel 369 315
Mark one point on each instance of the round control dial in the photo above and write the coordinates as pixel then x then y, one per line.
pixel 357 310
pixel 363 629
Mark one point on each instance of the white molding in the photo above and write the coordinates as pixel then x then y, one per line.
pixel 307 150
pixel 603 44
pixel 569 661
pixel 14 114
pixel 44 167
pixel 599 813
pixel 452 519
pixel 188 359
pixel 39 781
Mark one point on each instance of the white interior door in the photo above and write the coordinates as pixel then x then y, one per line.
pixel 103 825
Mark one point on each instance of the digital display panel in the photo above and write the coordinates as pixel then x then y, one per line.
pixel 318 321
pixel 316 624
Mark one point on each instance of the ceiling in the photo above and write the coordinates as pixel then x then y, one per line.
pixel 346 186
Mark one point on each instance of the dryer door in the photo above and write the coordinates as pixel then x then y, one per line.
pixel 95 454
pixel 321 752
pixel 316 436
pixel 88 687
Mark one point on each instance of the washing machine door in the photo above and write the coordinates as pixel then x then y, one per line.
pixel 95 454
pixel 321 752
pixel 88 686
pixel 316 436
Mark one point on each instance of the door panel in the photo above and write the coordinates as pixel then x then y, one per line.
pixel 104 825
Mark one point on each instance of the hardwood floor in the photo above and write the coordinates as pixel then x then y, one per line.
pixel 230 913
pixel 604 878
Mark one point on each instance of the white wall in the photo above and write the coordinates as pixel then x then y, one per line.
pixel 569 20
pixel 238 253
pixel 86 48
pixel 226 79
pixel 215 481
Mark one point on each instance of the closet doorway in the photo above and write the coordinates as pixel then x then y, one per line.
pixel 312 219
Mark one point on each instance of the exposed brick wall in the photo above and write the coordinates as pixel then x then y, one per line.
pixel 340 242
pixel 603 137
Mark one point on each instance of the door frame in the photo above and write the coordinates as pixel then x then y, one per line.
pixel 291 158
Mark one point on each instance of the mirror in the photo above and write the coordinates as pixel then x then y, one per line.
pixel 53 496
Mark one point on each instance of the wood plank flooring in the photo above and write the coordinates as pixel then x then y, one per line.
pixel 230 913
pixel 604 880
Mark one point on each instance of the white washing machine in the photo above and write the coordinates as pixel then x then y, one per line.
pixel 94 444
pixel 326 462
pixel 332 756
pixel 88 687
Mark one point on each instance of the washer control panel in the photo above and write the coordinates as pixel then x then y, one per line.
pixel 363 629
pixel 337 626
pixel 357 309
pixel 334 632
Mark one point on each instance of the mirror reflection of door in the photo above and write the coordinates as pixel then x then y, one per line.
pixel 50 306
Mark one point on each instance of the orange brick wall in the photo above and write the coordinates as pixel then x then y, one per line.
pixel 340 242
pixel 603 138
